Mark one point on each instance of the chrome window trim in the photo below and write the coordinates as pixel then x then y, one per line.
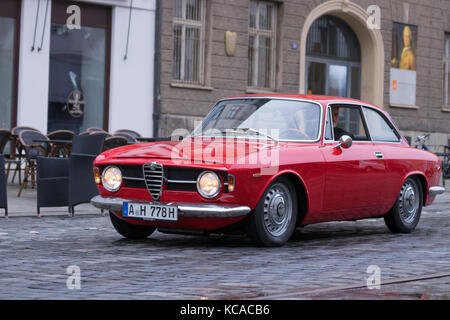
pixel 361 105
pixel 319 138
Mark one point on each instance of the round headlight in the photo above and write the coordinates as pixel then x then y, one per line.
pixel 208 184
pixel 112 178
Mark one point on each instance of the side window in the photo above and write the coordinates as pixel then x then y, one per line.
pixel 328 133
pixel 347 120
pixel 379 129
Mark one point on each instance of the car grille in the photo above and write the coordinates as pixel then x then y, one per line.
pixel 165 178
pixel 154 176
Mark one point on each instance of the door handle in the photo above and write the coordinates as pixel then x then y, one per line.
pixel 379 155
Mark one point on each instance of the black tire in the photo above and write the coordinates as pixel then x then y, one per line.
pixel 129 230
pixel 281 194
pixel 405 214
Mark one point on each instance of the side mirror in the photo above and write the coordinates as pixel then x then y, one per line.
pixel 345 142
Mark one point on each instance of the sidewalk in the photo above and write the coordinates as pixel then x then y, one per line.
pixel 25 205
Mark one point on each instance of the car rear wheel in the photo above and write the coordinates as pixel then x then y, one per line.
pixel 275 216
pixel 405 214
pixel 129 230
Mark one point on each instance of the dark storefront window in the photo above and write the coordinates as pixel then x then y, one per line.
pixel 79 68
pixel 333 59
pixel 9 13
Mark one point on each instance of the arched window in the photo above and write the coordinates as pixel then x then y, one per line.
pixel 333 59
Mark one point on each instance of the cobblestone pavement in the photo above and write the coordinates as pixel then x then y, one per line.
pixel 35 254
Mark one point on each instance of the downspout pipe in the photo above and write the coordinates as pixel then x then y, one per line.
pixel 157 70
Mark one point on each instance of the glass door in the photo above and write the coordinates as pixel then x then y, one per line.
pixel 79 68
pixel 9 16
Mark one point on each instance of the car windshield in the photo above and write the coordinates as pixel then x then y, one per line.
pixel 275 119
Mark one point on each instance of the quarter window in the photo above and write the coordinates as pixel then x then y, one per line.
pixel 188 41
pixel 262 44
pixel 379 129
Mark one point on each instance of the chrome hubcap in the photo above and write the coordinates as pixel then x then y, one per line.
pixel 409 202
pixel 277 210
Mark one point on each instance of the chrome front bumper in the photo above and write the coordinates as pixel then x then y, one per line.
pixel 433 191
pixel 203 210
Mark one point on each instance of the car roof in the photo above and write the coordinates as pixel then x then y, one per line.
pixel 314 97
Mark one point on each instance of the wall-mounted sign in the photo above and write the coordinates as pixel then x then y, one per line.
pixel 403 65
pixel 75 103
pixel 230 43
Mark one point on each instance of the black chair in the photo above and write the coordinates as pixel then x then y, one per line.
pixel 3 197
pixel 5 136
pixel 114 142
pixel 69 181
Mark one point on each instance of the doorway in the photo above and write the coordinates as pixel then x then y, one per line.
pixel 333 59
pixel 79 68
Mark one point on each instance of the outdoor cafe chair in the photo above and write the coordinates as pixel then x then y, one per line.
pixel 5 136
pixel 128 131
pixel 114 142
pixel 60 149
pixel 69 181
pixel 16 153
pixel 127 136
pixel 3 193
pixel 32 149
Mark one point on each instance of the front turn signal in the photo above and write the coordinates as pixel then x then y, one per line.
pixel 97 177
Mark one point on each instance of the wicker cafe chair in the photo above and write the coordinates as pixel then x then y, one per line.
pixel 32 150
pixel 127 131
pixel 61 150
pixel 114 142
pixel 92 129
pixel 16 155
pixel 69 181
pixel 127 136
pixel 3 196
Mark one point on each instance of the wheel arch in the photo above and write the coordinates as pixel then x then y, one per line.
pixel 423 182
pixel 300 191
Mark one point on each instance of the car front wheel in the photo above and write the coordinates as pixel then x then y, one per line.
pixel 128 230
pixel 275 216
pixel 405 214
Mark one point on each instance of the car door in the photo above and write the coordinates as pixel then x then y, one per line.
pixel 386 141
pixel 353 177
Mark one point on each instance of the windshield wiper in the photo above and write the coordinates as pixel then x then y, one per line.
pixel 247 130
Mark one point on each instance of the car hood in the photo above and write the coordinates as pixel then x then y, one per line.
pixel 204 150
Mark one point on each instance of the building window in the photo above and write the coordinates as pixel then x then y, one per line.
pixel 447 70
pixel 262 24
pixel 188 41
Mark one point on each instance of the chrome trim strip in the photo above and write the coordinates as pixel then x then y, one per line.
pixel 133 178
pixel 433 191
pixel 201 210
pixel 181 181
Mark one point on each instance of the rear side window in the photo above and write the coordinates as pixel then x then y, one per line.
pixel 379 128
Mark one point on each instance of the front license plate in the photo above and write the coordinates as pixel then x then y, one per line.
pixel 150 211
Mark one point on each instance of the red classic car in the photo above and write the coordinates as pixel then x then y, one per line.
pixel 267 164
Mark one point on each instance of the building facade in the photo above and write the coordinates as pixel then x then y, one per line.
pixel 395 54
pixel 77 64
